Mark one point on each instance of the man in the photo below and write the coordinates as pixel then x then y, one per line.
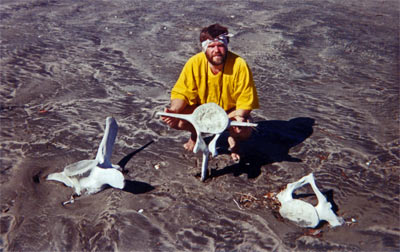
pixel 214 75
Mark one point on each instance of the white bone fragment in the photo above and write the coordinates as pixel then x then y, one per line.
pixel 304 213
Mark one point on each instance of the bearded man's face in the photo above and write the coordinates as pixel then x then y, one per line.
pixel 216 53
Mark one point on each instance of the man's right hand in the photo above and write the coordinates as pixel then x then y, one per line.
pixel 179 106
pixel 170 121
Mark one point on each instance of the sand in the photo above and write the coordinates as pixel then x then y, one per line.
pixel 327 74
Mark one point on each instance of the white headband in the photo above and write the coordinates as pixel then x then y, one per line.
pixel 223 38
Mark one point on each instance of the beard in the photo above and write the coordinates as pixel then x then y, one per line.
pixel 217 59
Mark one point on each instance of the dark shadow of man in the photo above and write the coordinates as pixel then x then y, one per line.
pixel 269 143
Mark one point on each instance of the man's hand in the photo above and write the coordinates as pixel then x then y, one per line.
pixel 240 115
pixel 170 121
pixel 178 106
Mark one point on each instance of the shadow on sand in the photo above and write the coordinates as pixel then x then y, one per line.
pixel 269 143
pixel 135 187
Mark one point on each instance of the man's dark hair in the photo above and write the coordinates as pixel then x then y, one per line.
pixel 213 31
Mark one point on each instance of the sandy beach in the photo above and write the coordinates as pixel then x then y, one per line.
pixel 327 75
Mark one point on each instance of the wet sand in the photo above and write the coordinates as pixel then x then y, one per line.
pixel 327 74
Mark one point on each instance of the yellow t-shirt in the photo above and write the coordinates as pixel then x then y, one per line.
pixel 231 89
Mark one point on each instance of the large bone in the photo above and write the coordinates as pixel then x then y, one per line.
pixel 303 213
pixel 90 176
pixel 208 118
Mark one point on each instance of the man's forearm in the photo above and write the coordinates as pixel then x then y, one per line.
pixel 177 105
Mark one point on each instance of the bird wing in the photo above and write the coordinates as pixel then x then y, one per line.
pixel 105 149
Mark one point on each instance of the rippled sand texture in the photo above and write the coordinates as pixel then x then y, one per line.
pixel 327 73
